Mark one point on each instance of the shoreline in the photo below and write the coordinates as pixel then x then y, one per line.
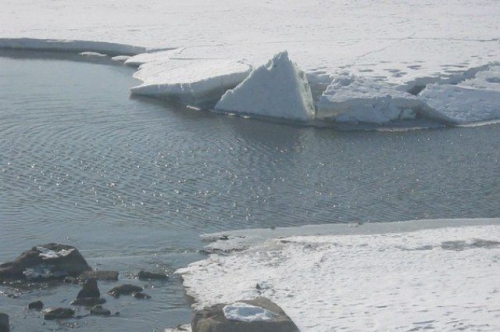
pixel 384 274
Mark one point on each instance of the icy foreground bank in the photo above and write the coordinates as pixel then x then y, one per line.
pixel 278 89
pixel 444 279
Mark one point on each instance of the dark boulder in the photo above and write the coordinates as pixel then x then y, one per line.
pixel 37 305
pixel 98 310
pixel 4 323
pixel 89 289
pixel 140 295
pixel 145 275
pixel 88 301
pixel 124 290
pixel 213 319
pixel 58 313
pixel 48 261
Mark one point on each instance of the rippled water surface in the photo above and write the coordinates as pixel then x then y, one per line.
pixel 133 182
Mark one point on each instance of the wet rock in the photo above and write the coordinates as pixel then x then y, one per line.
pixel 58 313
pixel 124 290
pixel 98 310
pixel 213 319
pixel 145 275
pixel 88 301
pixel 89 290
pixel 47 261
pixel 100 275
pixel 4 323
pixel 37 305
pixel 140 295
pixel 72 280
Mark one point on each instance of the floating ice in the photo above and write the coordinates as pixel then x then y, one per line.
pixel 278 89
pixel 244 312
pixel 474 100
pixel 356 99
pixel 66 45
pixel 192 82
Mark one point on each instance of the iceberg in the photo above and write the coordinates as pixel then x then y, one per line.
pixel 277 89
pixel 194 82
pixel 356 99
pixel 473 100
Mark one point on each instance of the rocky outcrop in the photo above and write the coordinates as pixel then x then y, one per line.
pixel 58 313
pixel 124 290
pixel 258 315
pixel 37 305
pixel 4 323
pixel 145 275
pixel 48 261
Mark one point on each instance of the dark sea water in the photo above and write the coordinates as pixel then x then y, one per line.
pixel 133 182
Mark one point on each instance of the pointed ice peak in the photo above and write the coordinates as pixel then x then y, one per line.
pixel 277 89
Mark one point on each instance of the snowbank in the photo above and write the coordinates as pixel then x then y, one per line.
pixel 194 82
pixel 357 99
pixel 277 89
pixel 443 279
pixel 66 45
pixel 473 100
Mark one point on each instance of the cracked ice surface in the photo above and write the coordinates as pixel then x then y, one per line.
pixel 399 40
pixel 444 279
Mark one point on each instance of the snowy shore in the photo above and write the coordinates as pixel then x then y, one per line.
pixel 408 276
pixel 391 51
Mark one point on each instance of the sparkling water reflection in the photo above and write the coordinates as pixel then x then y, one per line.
pixel 134 180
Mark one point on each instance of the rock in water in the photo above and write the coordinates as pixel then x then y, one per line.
pixel 48 261
pixel 37 305
pixel 124 290
pixel 98 310
pixel 58 313
pixel 151 275
pixel 278 89
pixel 89 290
pixel 4 323
pixel 258 315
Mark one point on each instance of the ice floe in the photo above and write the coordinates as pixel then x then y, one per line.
pixel 277 89
pixel 442 278
pixel 193 82
pixel 68 45
pixel 357 99
pixel 473 100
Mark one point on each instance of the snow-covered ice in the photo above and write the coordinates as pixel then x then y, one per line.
pixel 192 82
pixel 473 100
pixel 444 278
pixel 277 89
pixel 407 43
pixel 357 99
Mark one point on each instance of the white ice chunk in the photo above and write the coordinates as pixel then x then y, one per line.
pixel 93 54
pixel 244 312
pixel 120 58
pixel 189 81
pixel 474 100
pixel 356 99
pixel 277 89
pixel 67 45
